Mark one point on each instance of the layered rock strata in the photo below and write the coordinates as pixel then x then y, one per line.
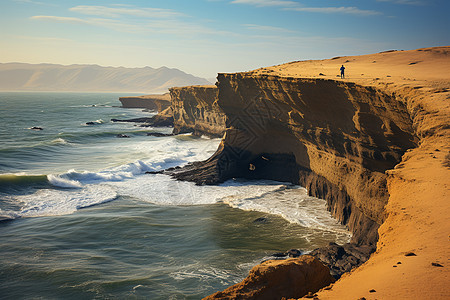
pixel 344 141
pixel 152 102
pixel 160 103
pixel 162 119
pixel 334 138
pixel 275 279
pixel 191 109
pixel 195 110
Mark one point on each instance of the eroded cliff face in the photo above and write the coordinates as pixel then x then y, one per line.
pixel 279 279
pixel 195 110
pixel 152 102
pixel 336 139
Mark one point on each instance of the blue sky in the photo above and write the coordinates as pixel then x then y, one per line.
pixel 205 37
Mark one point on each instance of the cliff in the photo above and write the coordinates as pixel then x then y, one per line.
pixel 332 137
pixel 195 110
pixel 158 102
pixel 274 279
pixel 190 109
pixel 375 145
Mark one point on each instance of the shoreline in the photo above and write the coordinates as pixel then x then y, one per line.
pixel 413 87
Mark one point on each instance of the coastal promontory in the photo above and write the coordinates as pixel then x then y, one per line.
pixel 375 145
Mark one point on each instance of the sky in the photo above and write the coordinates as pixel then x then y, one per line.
pixel 206 37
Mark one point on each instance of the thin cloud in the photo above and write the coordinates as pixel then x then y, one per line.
pixel 114 12
pixel 295 6
pixel 60 19
pixel 43 39
pixel 284 3
pixel 30 2
pixel 266 28
pixel 334 10
pixel 107 23
pixel 172 26
pixel 126 18
pixel 405 2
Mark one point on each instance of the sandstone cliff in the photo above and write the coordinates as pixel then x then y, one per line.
pixel 195 110
pixel 365 144
pixel 334 138
pixel 152 102
pixel 275 279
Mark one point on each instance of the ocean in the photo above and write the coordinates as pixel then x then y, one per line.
pixel 81 219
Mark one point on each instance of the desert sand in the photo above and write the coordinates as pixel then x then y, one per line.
pixel 412 259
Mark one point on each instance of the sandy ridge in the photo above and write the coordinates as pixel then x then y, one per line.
pixel 412 257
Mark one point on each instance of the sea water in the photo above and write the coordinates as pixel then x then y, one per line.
pixel 81 218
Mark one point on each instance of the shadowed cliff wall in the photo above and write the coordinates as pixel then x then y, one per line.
pixel 337 139
pixel 195 110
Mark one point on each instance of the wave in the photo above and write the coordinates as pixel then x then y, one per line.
pixel 59 141
pixel 75 179
pixel 73 190
pixel 164 190
pixel 204 274
pixel 42 145
pixel 291 202
pixel 96 122
pixel 8 181
pixel 79 189
pixel 56 144
pixel 76 190
pixel 63 182
pixel 163 153
pixel 294 205
pixel 50 202
pixel 24 195
pixel 72 185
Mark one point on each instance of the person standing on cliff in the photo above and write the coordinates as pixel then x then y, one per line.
pixel 342 71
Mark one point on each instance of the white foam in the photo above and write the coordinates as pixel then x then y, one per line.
pixel 163 153
pixel 60 181
pixel 98 122
pixel 293 204
pixel 48 202
pixel 59 141
pixel 205 274
pixel 87 188
pixel 75 179
pixel 285 200
pixel 164 190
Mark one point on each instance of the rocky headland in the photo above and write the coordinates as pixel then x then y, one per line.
pixel 154 102
pixel 375 145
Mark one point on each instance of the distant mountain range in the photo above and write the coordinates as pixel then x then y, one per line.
pixel 92 78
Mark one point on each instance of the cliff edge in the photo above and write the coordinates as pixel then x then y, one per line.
pixel 375 145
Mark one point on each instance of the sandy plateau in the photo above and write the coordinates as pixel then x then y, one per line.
pixel 412 259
